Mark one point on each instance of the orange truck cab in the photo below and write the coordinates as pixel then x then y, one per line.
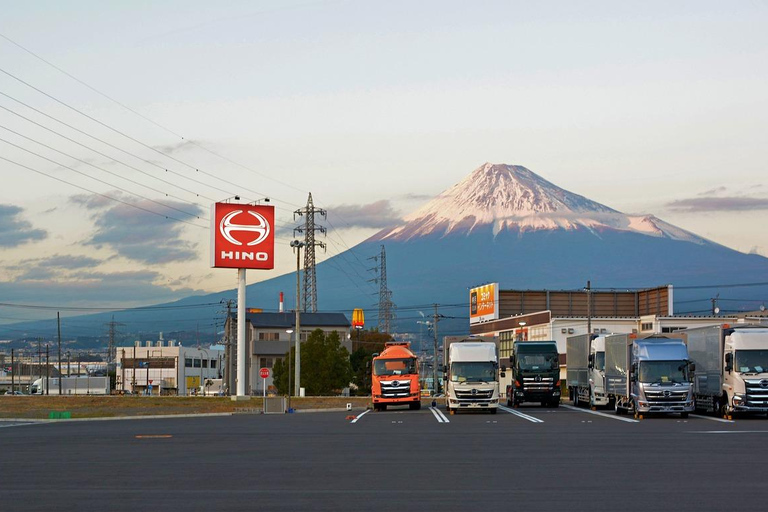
pixel 395 377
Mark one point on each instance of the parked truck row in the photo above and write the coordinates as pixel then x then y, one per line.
pixel 719 369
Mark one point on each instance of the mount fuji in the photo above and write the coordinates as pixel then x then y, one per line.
pixel 505 224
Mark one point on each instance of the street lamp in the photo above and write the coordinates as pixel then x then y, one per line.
pixel 297 244
pixel 522 327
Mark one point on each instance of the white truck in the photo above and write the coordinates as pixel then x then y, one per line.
pixel 585 357
pixel 83 385
pixel 731 368
pixel 471 373
pixel 649 374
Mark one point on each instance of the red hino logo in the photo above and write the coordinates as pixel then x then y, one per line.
pixel 261 230
pixel 242 236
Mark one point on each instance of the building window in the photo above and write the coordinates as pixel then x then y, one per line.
pixel 205 363
pixel 265 362
pixel 269 336
pixel 197 363
pixel 213 363
pixel 646 326
pixel 188 362
pixel 671 329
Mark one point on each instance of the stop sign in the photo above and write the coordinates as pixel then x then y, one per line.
pixel 264 373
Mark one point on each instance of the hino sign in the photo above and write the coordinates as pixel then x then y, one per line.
pixel 242 236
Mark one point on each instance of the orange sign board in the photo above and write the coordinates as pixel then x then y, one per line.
pixel 358 318
pixel 484 303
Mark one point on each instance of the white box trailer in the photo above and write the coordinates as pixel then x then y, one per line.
pixel 81 385
pixel 731 368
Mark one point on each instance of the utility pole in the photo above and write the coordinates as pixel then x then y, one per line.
pixel 229 355
pixel 436 318
pixel 308 229
pixel 47 369
pixel 58 325
pixel 589 307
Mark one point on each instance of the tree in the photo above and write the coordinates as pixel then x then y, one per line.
pixel 325 367
pixel 280 373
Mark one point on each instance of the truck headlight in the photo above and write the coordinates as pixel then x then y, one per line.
pixel 738 400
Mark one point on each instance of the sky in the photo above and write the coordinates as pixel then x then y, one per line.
pixel 121 122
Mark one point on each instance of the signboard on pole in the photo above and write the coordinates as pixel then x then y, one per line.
pixel 484 303
pixel 242 236
pixel 358 318
pixel 264 373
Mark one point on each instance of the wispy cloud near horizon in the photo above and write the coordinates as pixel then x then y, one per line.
pixel 718 204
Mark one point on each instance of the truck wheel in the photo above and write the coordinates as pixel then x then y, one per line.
pixel 509 402
pixel 493 411
pixel 555 403
pixel 683 415
pixel 576 398
pixel 415 406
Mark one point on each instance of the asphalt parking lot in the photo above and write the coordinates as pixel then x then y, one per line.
pixel 534 458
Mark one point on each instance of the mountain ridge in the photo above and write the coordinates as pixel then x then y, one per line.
pixel 512 197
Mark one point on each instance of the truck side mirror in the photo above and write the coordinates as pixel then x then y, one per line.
pixel 502 374
pixel 692 367
pixel 503 368
pixel 591 361
pixel 729 362
pixel 633 371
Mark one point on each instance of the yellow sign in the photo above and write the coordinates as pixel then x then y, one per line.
pixel 358 318
pixel 484 303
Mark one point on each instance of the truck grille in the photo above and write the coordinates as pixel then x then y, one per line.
pixel 757 392
pixel 474 394
pixel 395 388
pixel 537 383
pixel 666 396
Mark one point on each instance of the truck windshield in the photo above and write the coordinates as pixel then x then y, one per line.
pixel 751 361
pixel 404 366
pixel 473 372
pixel 663 372
pixel 600 361
pixel 538 361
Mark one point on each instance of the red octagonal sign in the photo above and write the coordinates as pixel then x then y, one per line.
pixel 264 372
pixel 242 236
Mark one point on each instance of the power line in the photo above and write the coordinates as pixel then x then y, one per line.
pixel 99 180
pixel 147 146
pixel 102 195
pixel 168 130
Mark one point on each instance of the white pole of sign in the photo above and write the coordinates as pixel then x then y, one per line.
pixel 241 348
pixel 264 385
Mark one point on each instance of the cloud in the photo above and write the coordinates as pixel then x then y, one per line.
pixel 89 288
pixel 719 204
pixel 139 235
pixel 57 266
pixel 714 191
pixel 416 197
pixel 374 215
pixel 15 231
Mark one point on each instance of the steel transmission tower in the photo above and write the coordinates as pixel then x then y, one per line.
pixel 112 325
pixel 308 229
pixel 386 306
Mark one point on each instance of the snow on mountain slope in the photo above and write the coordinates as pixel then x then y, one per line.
pixel 511 197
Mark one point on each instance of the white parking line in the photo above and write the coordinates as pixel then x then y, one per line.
pixel 360 415
pixel 722 420
pixel 439 416
pixel 520 414
pixel 604 415
pixel 730 432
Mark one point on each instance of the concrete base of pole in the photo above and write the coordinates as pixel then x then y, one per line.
pixel 243 398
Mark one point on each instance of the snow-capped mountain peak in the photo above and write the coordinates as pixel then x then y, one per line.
pixel 511 197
